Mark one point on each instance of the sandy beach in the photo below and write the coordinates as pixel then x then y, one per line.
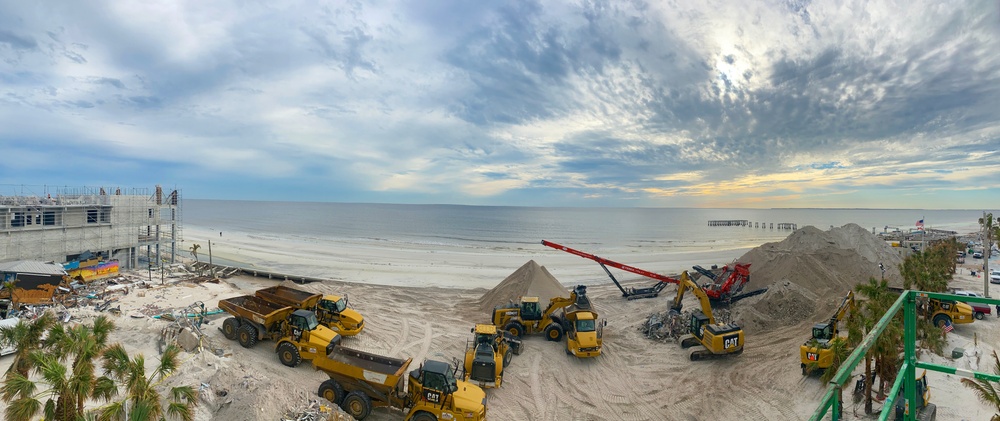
pixel 421 303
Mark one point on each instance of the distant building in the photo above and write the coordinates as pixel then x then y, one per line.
pixel 60 224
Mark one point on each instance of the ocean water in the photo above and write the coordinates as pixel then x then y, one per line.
pixel 498 227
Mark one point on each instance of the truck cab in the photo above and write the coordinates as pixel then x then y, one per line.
pixel 435 392
pixel 335 313
pixel 583 333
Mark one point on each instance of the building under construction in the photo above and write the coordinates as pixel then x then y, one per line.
pixel 135 226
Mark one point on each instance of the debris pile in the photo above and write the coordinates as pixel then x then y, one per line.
pixel 669 325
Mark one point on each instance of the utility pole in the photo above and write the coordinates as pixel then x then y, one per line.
pixel 987 247
pixel 210 264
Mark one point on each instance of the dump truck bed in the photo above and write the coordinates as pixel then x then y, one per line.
pixel 256 309
pixel 381 372
pixel 290 297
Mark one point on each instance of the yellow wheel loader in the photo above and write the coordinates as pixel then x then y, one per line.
pixel 526 317
pixel 486 356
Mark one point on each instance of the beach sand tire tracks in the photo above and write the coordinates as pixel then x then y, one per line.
pixel 404 332
pixel 536 385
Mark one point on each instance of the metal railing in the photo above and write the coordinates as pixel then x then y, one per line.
pixel 833 401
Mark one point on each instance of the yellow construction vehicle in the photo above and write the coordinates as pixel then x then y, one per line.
pixel 942 312
pixel 331 310
pixel 926 411
pixel 584 332
pixel 817 352
pixel 297 332
pixel 489 352
pixel 711 339
pixel 527 318
pixel 360 381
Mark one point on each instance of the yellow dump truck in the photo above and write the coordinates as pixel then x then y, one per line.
pixel 360 381
pixel 584 332
pixel 331 310
pixel 297 332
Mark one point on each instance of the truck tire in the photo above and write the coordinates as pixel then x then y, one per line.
pixel 423 416
pixel 980 315
pixel 357 404
pixel 289 354
pixel 941 319
pixel 515 328
pixel 507 356
pixel 247 335
pixel 331 391
pixel 553 332
pixel 230 328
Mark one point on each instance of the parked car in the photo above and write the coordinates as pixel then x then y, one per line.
pixel 977 255
pixel 979 310
pixel 995 278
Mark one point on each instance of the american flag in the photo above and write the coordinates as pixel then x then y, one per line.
pixel 948 327
pixel 920 223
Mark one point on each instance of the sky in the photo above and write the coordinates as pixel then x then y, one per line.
pixel 684 103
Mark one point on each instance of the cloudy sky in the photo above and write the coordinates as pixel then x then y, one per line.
pixel 776 103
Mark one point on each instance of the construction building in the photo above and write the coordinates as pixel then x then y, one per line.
pixel 137 227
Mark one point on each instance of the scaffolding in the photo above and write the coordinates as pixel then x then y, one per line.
pixel 59 223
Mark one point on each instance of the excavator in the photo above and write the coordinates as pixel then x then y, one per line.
pixel 817 352
pixel 710 339
pixel 728 283
pixel 726 287
pixel 527 318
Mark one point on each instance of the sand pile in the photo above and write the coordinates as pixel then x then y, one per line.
pixel 530 280
pixel 809 272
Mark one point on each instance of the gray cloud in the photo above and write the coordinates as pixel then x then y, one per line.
pixel 16 41
pixel 617 98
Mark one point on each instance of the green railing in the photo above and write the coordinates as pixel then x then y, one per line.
pixel 832 399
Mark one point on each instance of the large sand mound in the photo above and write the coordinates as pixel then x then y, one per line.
pixel 809 272
pixel 530 280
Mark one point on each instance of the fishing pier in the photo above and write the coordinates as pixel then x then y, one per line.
pixel 751 224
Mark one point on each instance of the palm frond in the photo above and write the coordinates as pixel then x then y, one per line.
pixel 184 411
pixel 17 386
pixel 23 409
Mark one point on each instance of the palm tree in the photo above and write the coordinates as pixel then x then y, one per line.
pixel 884 353
pixel 985 390
pixel 65 388
pixel 991 231
pixel 9 287
pixel 194 251
pixel 25 337
pixel 142 400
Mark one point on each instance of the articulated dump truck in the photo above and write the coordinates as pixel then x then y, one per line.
pixel 297 332
pixel 360 381
pixel 331 310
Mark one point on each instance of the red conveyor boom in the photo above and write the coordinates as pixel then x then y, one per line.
pixel 629 293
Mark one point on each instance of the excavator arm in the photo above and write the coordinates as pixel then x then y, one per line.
pixel 687 284
pixel 846 304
